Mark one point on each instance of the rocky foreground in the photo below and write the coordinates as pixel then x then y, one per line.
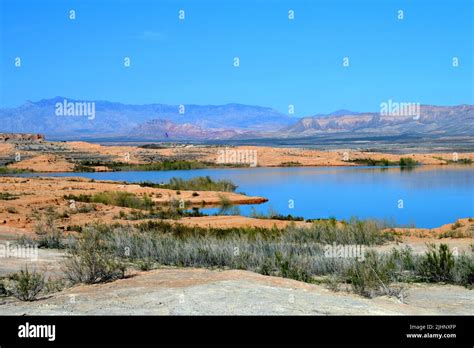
pixel 206 292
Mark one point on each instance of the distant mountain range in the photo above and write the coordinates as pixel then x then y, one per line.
pixel 431 120
pixel 64 118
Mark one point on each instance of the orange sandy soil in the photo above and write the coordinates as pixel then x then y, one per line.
pixel 461 227
pixel 44 163
pixel 6 149
pixel 39 193
pixel 458 234
pixel 266 156
pixel 224 221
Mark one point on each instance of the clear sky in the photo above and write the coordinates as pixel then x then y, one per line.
pixel 282 61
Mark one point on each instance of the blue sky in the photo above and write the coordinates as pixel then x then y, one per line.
pixel 282 61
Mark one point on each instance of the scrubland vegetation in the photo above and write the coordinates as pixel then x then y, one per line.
pixel 6 196
pixel 6 170
pixel 102 253
pixel 201 183
pixel 403 162
pixel 116 198
pixel 88 166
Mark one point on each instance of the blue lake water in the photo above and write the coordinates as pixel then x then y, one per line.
pixel 431 196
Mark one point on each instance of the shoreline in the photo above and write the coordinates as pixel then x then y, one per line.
pixel 30 194
pixel 67 157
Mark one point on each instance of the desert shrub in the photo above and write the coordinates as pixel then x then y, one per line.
pixel 3 289
pixel 407 162
pixel 463 270
pixel 47 234
pixel 437 264
pixel 372 276
pixel 45 221
pixel 90 262
pixel 26 285
pixel 290 164
pixel 54 285
pixel 201 183
pixel 8 170
pixel 459 161
pixel 456 225
pixel 271 214
pixel 25 240
pixel 287 268
pixel 75 228
pixel 86 208
pixel 374 162
pixel 145 264
pixel 12 210
pixel 295 253
pixel 51 240
pixel 116 198
pixel 165 165
pixel 6 196
pixel 456 233
pixel 353 232
pixel 78 167
pixel 405 263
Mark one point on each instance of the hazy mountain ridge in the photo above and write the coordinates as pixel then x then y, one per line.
pixel 116 119
pixel 230 121
pixel 449 120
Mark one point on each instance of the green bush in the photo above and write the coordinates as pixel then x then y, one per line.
pixel 287 268
pixel 157 166
pixel 374 162
pixel 271 214
pixel 116 198
pixel 463 271
pixel 437 264
pixel 7 170
pixel 6 196
pixel 201 183
pixel 145 264
pixel 355 231
pixel 45 221
pixel 372 276
pixel 51 240
pixel 90 262
pixel 407 162
pixel 26 285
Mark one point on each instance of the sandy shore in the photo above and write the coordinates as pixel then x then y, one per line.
pixel 34 195
pixel 41 192
pixel 58 156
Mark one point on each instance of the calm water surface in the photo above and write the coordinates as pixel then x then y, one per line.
pixel 431 196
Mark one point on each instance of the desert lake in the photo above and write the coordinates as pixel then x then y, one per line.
pixel 425 196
